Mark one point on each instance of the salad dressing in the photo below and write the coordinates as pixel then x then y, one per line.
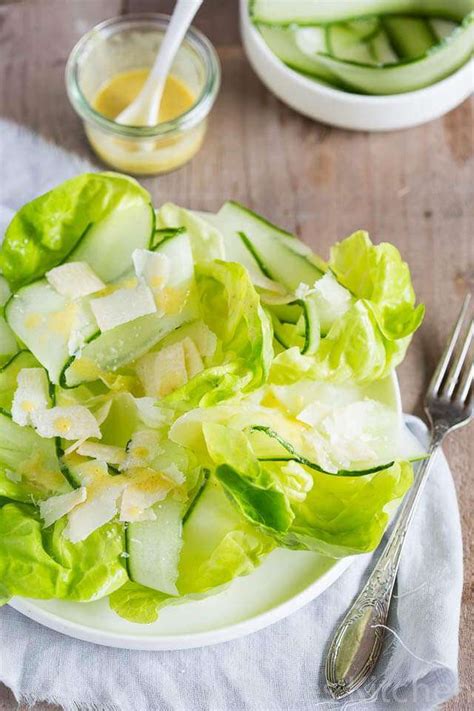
pixel 116 94
pixel 152 155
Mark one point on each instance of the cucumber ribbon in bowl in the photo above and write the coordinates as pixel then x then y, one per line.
pixel 182 392
pixel 369 46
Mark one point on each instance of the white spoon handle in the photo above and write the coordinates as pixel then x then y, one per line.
pixel 144 109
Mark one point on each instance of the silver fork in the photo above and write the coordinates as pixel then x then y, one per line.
pixel 357 644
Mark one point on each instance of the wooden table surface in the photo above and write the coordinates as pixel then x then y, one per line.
pixel 414 188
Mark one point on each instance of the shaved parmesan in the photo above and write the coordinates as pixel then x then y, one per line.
pixel 176 294
pixel 100 415
pixel 101 505
pixel 205 340
pixel 358 434
pixel 153 267
pixel 31 395
pixel 332 300
pixel 104 452
pixel 75 446
pixel 149 413
pixel 133 513
pixel 192 358
pixel 99 508
pixel 325 397
pixel 90 473
pixel 163 372
pixel 142 449
pixel 56 507
pixel 122 306
pixel 170 368
pixel 317 449
pixel 144 489
pixel 314 413
pixel 176 475
pixel 73 422
pixel 74 279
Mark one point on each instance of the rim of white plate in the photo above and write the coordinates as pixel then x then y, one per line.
pixel 226 633
pixel 180 641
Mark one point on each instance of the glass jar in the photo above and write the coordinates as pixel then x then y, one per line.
pixel 131 42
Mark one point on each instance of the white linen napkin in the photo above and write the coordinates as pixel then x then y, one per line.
pixel 280 668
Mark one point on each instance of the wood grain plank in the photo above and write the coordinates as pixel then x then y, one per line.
pixel 36 37
pixel 414 188
pixel 217 19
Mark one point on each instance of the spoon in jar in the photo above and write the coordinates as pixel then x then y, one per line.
pixel 144 109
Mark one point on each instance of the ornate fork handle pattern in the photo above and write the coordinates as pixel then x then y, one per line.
pixel 357 644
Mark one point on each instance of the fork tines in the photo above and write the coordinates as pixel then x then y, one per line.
pixel 453 376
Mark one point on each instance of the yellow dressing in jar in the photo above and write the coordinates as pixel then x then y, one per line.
pixel 106 71
pixel 145 156
pixel 119 92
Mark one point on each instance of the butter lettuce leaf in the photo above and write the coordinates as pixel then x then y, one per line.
pixel 357 349
pixel 211 386
pixel 361 346
pixel 378 275
pixel 300 506
pixel 342 516
pixel 371 336
pixel 230 307
pixel 45 230
pixel 230 446
pixel 335 516
pixel 137 603
pixel 253 493
pixel 258 500
pixel 42 563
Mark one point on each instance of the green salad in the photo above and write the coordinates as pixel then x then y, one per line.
pixel 369 46
pixel 183 392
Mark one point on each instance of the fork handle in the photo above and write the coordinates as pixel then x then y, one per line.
pixel 357 644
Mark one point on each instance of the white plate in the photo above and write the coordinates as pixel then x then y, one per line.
pixel 353 111
pixel 247 605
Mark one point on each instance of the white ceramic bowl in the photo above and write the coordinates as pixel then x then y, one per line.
pixel 247 605
pixel 353 111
